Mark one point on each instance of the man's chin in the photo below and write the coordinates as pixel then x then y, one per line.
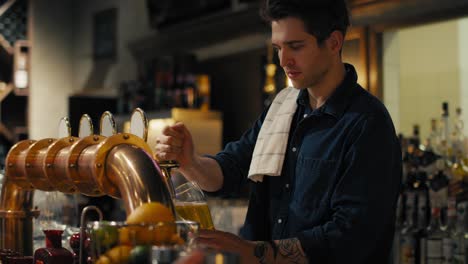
pixel 297 86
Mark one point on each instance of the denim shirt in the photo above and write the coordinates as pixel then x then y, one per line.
pixel 339 184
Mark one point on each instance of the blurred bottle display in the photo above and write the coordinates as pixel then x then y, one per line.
pixel 164 83
pixel 432 226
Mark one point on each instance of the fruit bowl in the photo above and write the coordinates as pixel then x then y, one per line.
pixel 120 242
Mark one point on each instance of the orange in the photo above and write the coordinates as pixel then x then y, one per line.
pixel 159 229
pixel 150 213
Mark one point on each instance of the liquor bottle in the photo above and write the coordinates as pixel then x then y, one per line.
pixel 178 88
pixel 53 253
pixel 407 234
pixel 433 141
pixel 190 92
pixel 445 132
pixel 448 229
pixel 204 90
pixel 459 236
pixel 423 215
pixel 433 242
pixel 458 138
pixel 415 139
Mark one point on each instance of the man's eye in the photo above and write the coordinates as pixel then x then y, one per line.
pixel 296 47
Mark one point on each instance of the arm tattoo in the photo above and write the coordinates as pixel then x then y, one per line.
pixel 290 249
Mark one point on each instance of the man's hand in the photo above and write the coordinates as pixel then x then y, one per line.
pixel 274 252
pixel 176 143
pixel 224 241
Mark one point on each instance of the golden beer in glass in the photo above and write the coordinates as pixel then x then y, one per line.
pixel 195 211
pixel 190 204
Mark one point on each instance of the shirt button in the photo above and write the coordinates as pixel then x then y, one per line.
pixel 280 221
pixel 305 115
pixel 294 149
pixel 287 186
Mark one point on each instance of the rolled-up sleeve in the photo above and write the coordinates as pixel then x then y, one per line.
pixel 235 159
pixel 363 200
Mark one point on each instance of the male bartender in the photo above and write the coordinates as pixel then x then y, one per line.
pixel 323 161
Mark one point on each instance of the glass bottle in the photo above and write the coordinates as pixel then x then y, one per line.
pixel 458 138
pixel 459 236
pixel 448 229
pixel 433 141
pixel 415 139
pixel 445 132
pixel 53 253
pixel 407 238
pixel 433 243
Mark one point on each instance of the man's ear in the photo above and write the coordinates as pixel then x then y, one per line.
pixel 335 41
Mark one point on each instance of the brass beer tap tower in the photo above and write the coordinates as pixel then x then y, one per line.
pixel 119 165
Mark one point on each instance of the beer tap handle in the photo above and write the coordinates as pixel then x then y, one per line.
pixel 107 126
pixel 64 128
pixel 86 126
pixel 139 124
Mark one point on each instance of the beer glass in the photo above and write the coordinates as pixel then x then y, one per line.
pixel 190 204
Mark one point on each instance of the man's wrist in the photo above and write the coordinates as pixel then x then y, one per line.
pixel 261 251
pixel 192 167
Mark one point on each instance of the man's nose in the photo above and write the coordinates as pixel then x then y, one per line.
pixel 285 58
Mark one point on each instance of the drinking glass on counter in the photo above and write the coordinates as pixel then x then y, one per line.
pixel 190 204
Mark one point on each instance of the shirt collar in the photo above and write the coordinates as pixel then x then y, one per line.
pixel 339 99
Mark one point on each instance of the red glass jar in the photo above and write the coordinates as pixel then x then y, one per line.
pixel 53 253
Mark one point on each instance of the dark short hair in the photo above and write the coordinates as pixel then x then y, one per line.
pixel 320 17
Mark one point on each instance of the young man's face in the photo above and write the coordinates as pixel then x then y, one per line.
pixel 303 60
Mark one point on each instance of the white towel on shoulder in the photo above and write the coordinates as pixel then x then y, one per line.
pixel 270 148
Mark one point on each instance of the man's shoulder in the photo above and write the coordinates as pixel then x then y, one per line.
pixel 368 104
